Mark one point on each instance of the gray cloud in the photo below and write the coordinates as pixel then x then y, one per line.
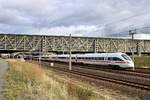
pixel 81 17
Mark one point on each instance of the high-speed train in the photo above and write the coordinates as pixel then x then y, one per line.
pixel 116 60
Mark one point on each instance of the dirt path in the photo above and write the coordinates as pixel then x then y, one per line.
pixel 3 69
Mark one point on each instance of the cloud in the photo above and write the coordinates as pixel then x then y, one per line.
pixel 79 17
pixel 142 36
pixel 61 30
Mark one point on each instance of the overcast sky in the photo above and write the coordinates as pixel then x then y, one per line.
pixel 78 17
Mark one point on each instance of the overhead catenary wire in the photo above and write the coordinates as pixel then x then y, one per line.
pixel 125 19
pixel 128 18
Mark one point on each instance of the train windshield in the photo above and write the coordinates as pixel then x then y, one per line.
pixel 126 57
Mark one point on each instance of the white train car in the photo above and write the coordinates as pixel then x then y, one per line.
pixel 116 60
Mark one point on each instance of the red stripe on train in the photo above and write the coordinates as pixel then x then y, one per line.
pixel 95 61
pixel 106 61
pixel 120 62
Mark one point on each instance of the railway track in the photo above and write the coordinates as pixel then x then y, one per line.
pixel 122 79
pixel 138 84
pixel 127 72
pixel 132 79
pixel 86 73
pixel 142 70
pixel 137 72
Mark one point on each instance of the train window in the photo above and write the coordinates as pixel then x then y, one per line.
pixel 78 57
pixel 63 57
pixel 73 57
pixel 116 59
pixel 96 58
pixel 93 58
pixel 109 58
pixel 125 57
pixel 86 58
pixel 102 58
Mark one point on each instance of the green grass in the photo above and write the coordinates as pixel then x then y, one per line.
pixel 142 62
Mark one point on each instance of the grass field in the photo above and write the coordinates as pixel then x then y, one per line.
pixel 28 81
pixel 142 62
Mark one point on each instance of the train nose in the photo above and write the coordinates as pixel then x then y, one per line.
pixel 130 64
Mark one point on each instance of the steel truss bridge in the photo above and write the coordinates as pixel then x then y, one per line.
pixel 44 43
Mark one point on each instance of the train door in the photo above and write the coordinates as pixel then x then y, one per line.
pixel 110 61
pixel 104 60
pixel 75 58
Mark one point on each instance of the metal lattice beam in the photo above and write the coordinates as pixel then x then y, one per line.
pixel 79 44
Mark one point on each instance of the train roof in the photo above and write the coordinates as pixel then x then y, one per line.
pixel 91 54
pixel 67 55
pixel 101 54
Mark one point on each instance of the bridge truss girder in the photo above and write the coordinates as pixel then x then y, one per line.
pixel 78 44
